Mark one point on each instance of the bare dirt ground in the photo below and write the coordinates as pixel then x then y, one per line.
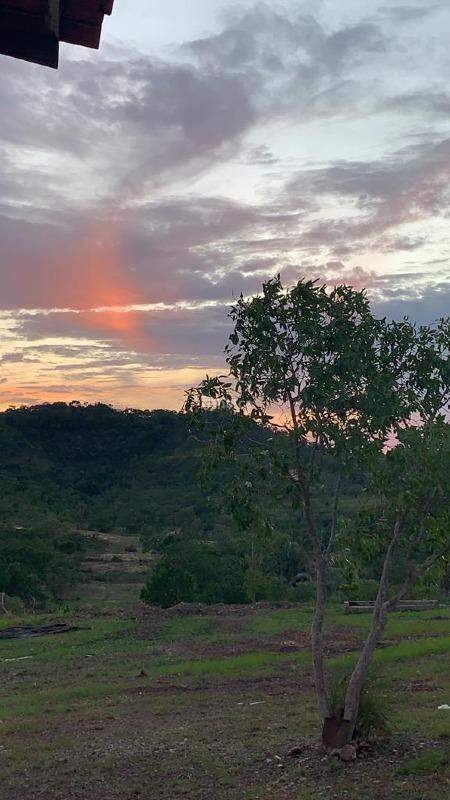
pixel 206 704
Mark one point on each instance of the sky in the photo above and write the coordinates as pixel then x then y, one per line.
pixel 206 147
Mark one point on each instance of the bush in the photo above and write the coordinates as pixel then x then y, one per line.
pixel 302 593
pixel 38 563
pixel 373 713
pixel 169 584
pixel 258 585
pixel 12 605
pixel 365 589
pixel 195 573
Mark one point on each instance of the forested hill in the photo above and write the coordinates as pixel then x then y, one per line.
pixel 99 468
pixel 65 468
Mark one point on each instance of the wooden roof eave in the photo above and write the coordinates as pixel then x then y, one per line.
pixel 32 29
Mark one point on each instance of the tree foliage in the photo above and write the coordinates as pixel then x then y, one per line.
pixel 38 563
pixel 343 386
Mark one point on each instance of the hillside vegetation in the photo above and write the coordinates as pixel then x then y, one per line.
pixel 67 468
pixel 97 467
pixel 142 475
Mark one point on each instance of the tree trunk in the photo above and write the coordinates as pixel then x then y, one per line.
pixel 317 639
pixel 359 674
pixel 446 579
pixel 335 732
pixel 379 618
pixel 2 603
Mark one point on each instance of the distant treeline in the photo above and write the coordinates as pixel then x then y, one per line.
pixel 66 466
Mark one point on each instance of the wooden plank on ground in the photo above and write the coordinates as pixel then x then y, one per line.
pixel 365 606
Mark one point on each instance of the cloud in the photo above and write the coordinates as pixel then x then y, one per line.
pixel 188 332
pixel 425 308
pixel 12 358
pixel 150 190
pixel 156 120
pixel 411 13
pixel 430 102
pixel 164 251
pixel 408 186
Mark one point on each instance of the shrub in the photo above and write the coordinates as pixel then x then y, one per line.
pixel 258 585
pixel 373 714
pixel 365 589
pixel 195 573
pixel 302 593
pixel 37 564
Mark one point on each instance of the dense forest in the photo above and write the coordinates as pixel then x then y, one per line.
pixel 96 467
pixel 67 467
pixel 220 537
pixel 74 466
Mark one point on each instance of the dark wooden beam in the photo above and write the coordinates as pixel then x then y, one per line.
pixel 29 29
pixel 32 29
pixel 81 22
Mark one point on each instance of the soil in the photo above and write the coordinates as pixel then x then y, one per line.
pixel 197 737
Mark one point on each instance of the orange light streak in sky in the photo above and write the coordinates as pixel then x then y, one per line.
pixel 100 280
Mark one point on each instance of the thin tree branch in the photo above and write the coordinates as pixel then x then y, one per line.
pixel 337 494
pixel 313 459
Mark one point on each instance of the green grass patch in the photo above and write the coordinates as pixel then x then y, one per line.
pixel 400 623
pixel 240 665
pixel 56 700
pixel 428 763
pixel 83 693
pixel 14 620
pixel 205 628
pixel 403 651
pixel 278 622
pixel 101 635
pixel 435 621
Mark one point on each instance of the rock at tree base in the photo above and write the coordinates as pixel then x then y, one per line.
pixel 348 752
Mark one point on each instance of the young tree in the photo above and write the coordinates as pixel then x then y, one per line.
pixel 341 384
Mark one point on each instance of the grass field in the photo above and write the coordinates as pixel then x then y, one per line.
pixel 151 704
